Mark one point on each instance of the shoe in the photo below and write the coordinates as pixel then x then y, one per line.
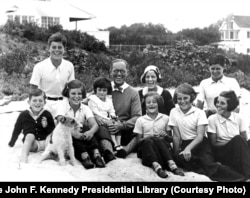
pixel 108 156
pixel 87 163
pixel 178 171
pixel 161 173
pixel 121 153
pixel 119 147
pixel 99 162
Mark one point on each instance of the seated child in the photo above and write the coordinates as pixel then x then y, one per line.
pixel 35 123
pixel 192 150
pixel 84 142
pixel 102 106
pixel 154 138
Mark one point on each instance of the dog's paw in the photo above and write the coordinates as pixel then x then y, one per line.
pixel 62 163
pixel 73 162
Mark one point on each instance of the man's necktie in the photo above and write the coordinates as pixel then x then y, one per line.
pixel 120 89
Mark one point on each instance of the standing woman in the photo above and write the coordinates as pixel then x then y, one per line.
pixel 211 87
pixel 151 77
pixel 227 132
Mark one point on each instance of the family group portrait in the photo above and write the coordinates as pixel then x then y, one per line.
pixel 145 104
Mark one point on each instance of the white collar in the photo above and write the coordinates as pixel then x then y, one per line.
pixel 35 116
pixel 222 80
pixel 145 90
pixel 232 118
pixel 189 112
pixel 159 115
pixel 123 86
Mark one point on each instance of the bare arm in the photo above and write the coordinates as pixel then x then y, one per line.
pixel 243 134
pixel 32 87
pixel 88 135
pixel 176 140
pixel 200 134
pixel 213 140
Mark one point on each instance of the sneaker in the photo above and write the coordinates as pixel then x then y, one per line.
pixel 108 156
pixel 87 163
pixel 99 162
pixel 178 171
pixel 121 153
pixel 161 173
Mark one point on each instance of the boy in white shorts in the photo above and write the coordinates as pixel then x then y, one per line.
pixel 35 123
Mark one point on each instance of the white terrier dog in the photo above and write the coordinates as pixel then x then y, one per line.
pixel 60 141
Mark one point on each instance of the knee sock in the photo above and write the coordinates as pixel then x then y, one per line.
pixel 156 166
pixel 172 165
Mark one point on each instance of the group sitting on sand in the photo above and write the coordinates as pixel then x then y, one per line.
pixel 167 132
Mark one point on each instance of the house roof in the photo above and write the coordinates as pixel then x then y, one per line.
pixel 241 21
pixel 45 8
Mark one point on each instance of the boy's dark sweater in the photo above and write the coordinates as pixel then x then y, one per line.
pixel 27 124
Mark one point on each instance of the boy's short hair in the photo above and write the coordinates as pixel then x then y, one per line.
pixel 159 99
pixel 102 82
pixel 219 59
pixel 74 84
pixel 57 37
pixel 37 92
pixel 232 100
pixel 187 89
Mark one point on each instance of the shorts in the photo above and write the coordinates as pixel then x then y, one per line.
pixel 40 145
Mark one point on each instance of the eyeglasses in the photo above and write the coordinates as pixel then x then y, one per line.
pixel 116 71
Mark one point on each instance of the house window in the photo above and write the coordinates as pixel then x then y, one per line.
pixel 248 34
pixel 230 25
pixel 227 35
pixel 17 18
pixel 222 35
pixel 56 20
pixel 50 21
pixel 24 19
pixel 31 19
pixel 44 22
pixel 10 17
pixel 231 35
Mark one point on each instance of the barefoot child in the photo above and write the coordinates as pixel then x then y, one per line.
pixel 102 106
pixel 35 123
pixel 85 145
pixel 154 137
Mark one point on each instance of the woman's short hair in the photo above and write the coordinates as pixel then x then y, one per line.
pixel 151 68
pixel 37 92
pixel 102 82
pixel 187 89
pixel 57 37
pixel 159 99
pixel 219 59
pixel 74 84
pixel 232 100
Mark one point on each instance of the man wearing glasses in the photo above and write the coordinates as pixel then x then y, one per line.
pixel 127 107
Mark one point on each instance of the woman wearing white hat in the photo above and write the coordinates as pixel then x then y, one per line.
pixel 151 77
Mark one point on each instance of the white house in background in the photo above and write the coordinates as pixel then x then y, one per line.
pixel 46 13
pixel 235 34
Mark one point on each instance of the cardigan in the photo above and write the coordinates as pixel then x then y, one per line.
pixel 27 124
pixel 127 106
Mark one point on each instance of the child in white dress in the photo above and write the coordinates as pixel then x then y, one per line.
pixel 102 106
